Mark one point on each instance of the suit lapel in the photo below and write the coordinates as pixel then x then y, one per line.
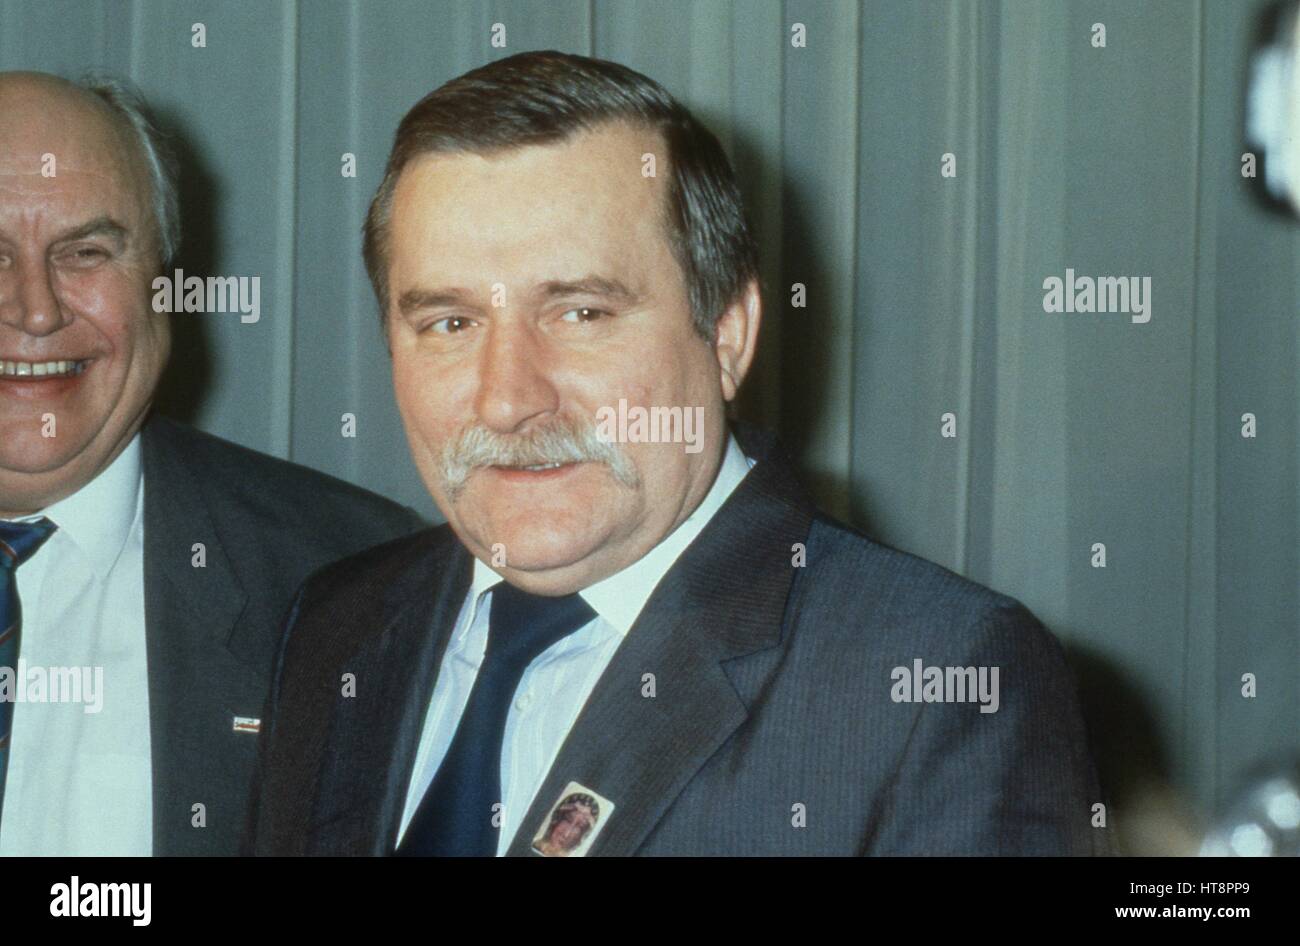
pixel 399 668
pixel 723 600
pixel 190 614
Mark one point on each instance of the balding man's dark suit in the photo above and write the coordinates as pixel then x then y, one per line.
pixel 211 631
pixel 772 705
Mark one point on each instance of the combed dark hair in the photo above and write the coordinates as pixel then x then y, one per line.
pixel 539 98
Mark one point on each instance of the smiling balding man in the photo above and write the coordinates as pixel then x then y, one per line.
pixel 161 654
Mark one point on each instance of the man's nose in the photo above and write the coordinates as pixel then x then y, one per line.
pixel 28 300
pixel 514 376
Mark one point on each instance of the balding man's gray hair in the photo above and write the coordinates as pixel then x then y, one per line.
pixel 164 169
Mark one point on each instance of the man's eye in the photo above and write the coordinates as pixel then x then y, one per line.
pixel 584 314
pixel 83 255
pixel 448 326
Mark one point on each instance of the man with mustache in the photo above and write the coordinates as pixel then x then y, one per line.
pixel 675 633
pixel 139 557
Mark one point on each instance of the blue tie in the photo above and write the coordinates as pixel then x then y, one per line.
pixel 455 817
pixel 18 540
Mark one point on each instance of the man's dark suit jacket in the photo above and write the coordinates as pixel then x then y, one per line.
pixel 772 691
pixel 211 632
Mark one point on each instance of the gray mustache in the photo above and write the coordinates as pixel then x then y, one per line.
pixel 561 442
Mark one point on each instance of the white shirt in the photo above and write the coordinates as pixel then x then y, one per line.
pixel 80 783
pixel 556 685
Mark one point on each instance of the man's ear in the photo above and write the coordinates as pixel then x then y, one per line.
pixel 736 338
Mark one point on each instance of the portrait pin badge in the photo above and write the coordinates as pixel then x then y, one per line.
pixel 573 823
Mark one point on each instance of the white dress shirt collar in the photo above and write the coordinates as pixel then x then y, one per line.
pixel 97 518
pixel 620 597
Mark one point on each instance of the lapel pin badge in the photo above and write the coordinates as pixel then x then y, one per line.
pixel 247 724
pixel 573 823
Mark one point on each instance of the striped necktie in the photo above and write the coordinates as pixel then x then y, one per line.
pixel 456 817
pixel 18 541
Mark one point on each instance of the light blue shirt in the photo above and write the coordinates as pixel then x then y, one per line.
pixel 555 686
pixel 81 783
